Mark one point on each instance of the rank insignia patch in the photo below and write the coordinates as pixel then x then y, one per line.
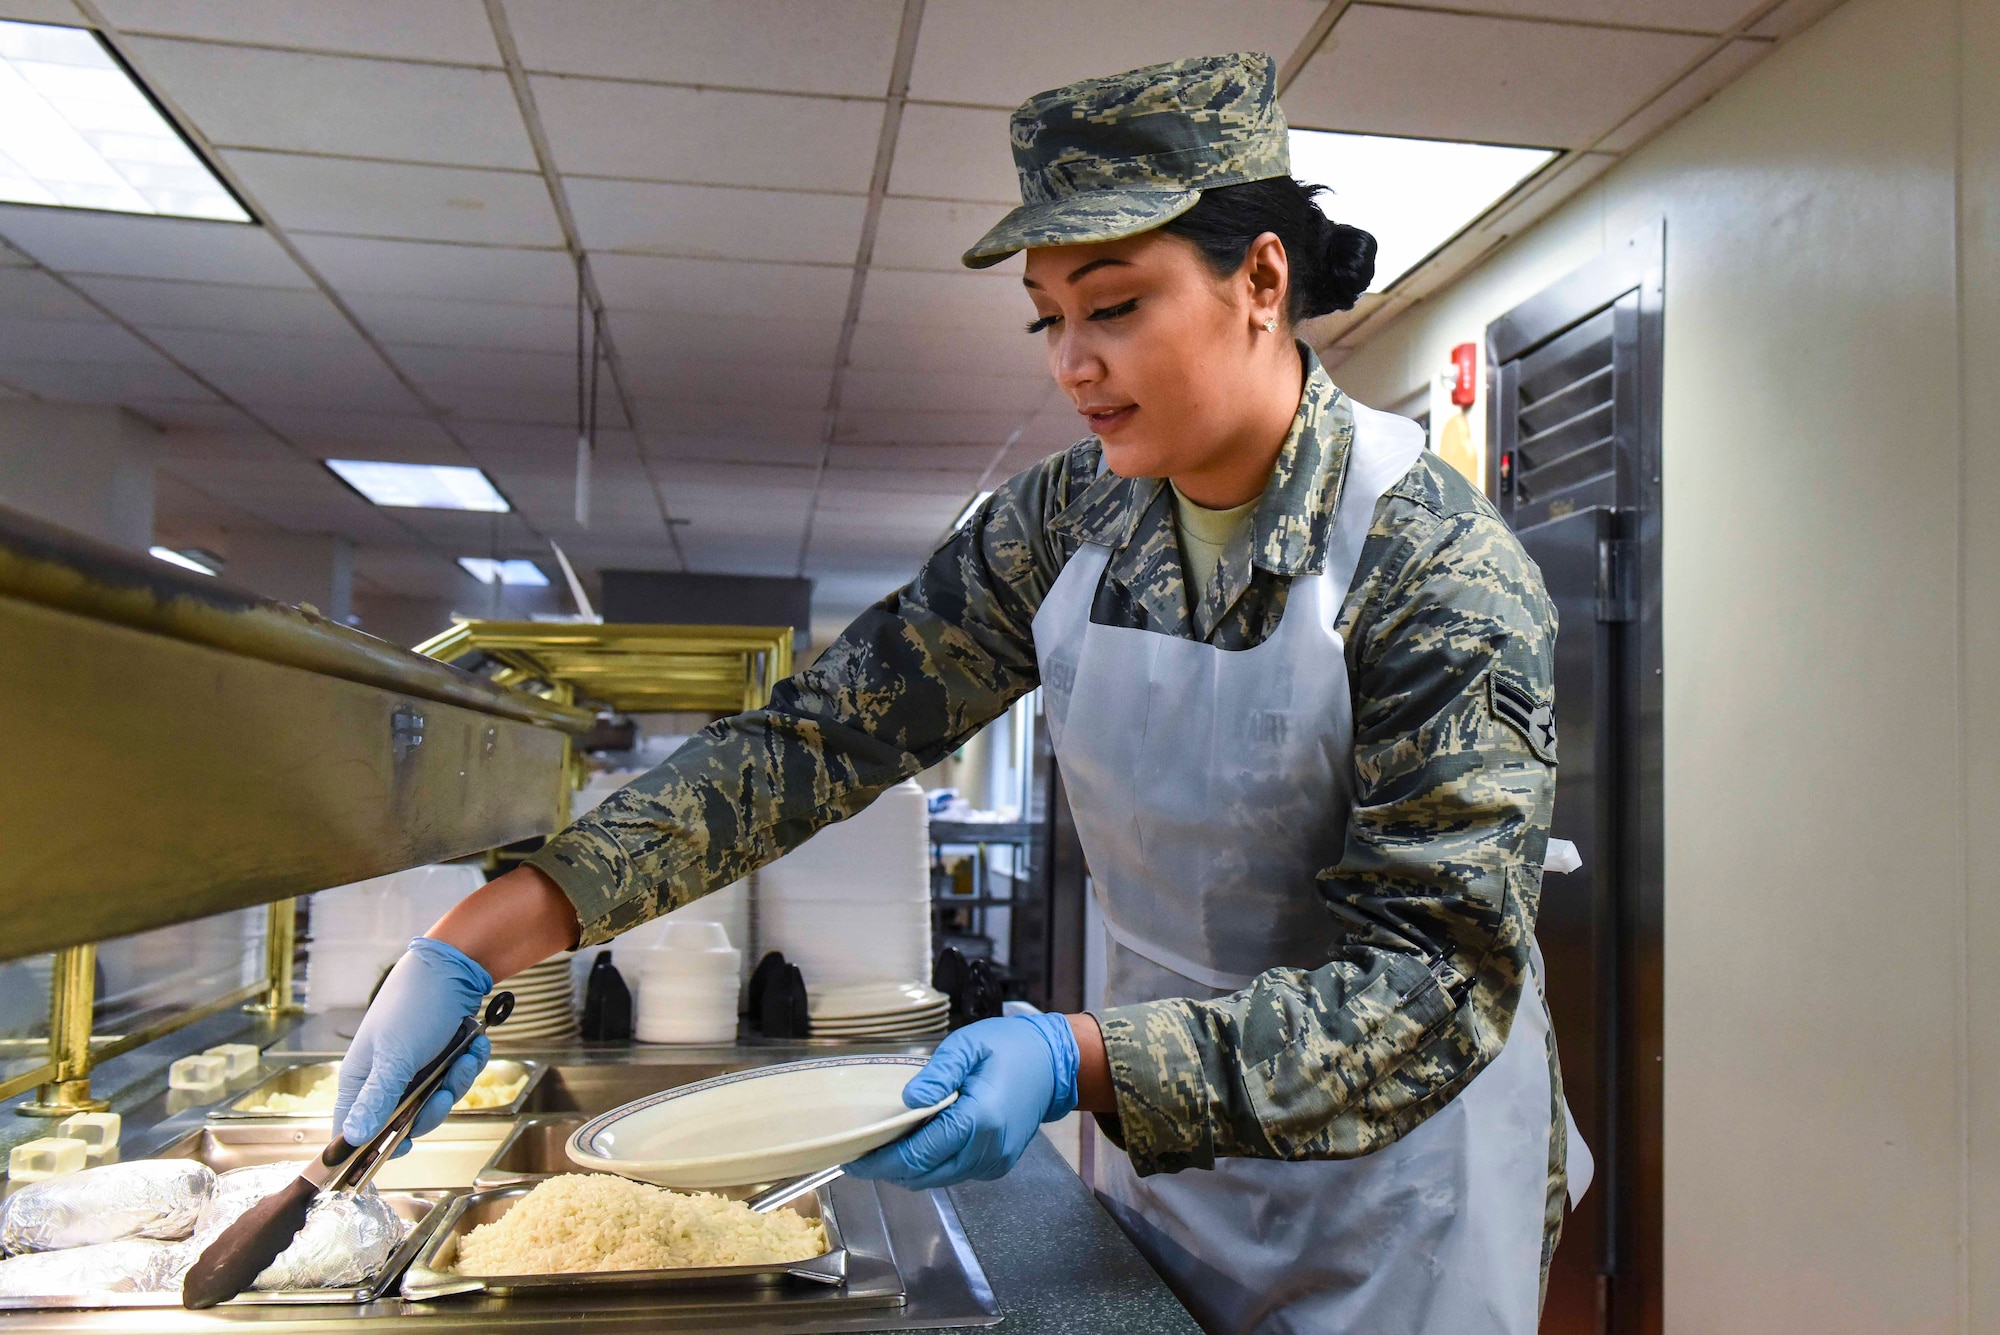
pixel 1513 705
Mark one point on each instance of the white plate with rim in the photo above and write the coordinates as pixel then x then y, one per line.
pixel 854 1000
pixel 756 1126
pixel 924 1025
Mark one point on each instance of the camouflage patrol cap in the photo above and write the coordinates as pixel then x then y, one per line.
pixel 1112 157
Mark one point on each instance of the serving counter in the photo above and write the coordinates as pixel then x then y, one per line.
pixel 1032 1252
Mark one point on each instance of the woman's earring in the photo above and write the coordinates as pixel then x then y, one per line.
pixel 1271 325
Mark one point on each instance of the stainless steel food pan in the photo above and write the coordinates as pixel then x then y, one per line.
pixel 536 1148
pixel 450 1156
pixel 431 1274
pixel 421 1210
pixel 302 1076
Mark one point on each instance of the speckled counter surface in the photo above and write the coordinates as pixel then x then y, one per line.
pixel 1056 1260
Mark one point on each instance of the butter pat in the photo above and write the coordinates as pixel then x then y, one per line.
pixel 204 1073
pixel 242 1057
pixel 51 1156
pixel 97 1131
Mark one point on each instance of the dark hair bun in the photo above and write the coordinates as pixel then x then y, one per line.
pixel 1332 264
pixel 1346 267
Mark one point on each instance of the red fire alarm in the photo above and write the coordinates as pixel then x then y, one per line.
pixel 1465 365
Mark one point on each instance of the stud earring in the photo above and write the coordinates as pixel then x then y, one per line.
pixel 1271 325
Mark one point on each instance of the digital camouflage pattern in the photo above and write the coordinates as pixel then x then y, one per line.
pixel 1112 157
pixel 1440 879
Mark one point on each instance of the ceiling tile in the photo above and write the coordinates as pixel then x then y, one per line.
pixel 514 326
pixel 717 222
pixel 508 403
pixel 723 287
pixel 261 370
pixel 438 270
pixel 760 421
pixel 331 432
pixel 717 339
pixel 190 450
pixel 549 372
pixel 42 11
pixel 1705 16
pixel 224 306
pixel 1485 79
pixel 386 199
pixel 80 241
pixel 821 46
pixel 927 234
pixel 779 386
pixel 517 440
pixel 733 449
pixel 97 340
pixel 719 138
pixel 954 153
pixel 964 300
pixel 29 294
pixel 102 382
pixel 177 419
pixel 1716 72
pixel 251 98
pixel 1794 16
pixel 434 30
pixel 951 460
pixel 967 53
pixel 942 427
pixel 1006 350
pixel 938 392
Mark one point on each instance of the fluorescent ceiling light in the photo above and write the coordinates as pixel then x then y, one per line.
pixel 488 571
pixel 971 508
pixel 181 559
pixel 77 132
pixel 1412 194
pixel 421 486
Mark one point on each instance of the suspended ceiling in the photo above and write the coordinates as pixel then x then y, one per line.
pixel 770 195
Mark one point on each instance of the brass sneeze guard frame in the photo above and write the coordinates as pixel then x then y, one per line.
pixel 197 749
pixel 634 669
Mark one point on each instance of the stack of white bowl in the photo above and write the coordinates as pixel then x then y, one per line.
pixel 687 985
pixel 852 905
pixel 545 1010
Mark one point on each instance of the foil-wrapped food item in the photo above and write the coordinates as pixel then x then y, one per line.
pixel 147 1198
pixel 133 1265
pixel 346 1239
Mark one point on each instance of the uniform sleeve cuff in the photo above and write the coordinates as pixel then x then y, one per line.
pixel 585 865
pixel 1159 1077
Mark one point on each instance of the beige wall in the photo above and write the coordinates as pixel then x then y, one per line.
pixel 1832 586
pixel 89 469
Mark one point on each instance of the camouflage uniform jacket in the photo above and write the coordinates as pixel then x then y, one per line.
pixel 1449 637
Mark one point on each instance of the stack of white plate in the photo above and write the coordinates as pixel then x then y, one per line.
pixel 544 1005
pixel 877 1012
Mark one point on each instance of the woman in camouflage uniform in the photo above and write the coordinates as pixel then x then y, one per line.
pixel 1298 677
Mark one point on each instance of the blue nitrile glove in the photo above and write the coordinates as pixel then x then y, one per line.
pixel 1012 1075
pixel 416 1012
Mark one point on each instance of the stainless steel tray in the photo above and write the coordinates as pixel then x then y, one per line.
pixel 448 1157
pixel 420 1209
pixel 431 1276
pixel 536 1148
pixel 300 1077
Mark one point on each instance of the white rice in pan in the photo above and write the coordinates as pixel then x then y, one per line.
pixel 594 1221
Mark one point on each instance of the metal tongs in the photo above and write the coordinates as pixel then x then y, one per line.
pixel 232 1262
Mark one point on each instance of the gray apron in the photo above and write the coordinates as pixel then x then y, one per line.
pixel 1209 788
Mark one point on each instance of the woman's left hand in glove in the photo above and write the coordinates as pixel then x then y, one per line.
pixel 1011 1075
